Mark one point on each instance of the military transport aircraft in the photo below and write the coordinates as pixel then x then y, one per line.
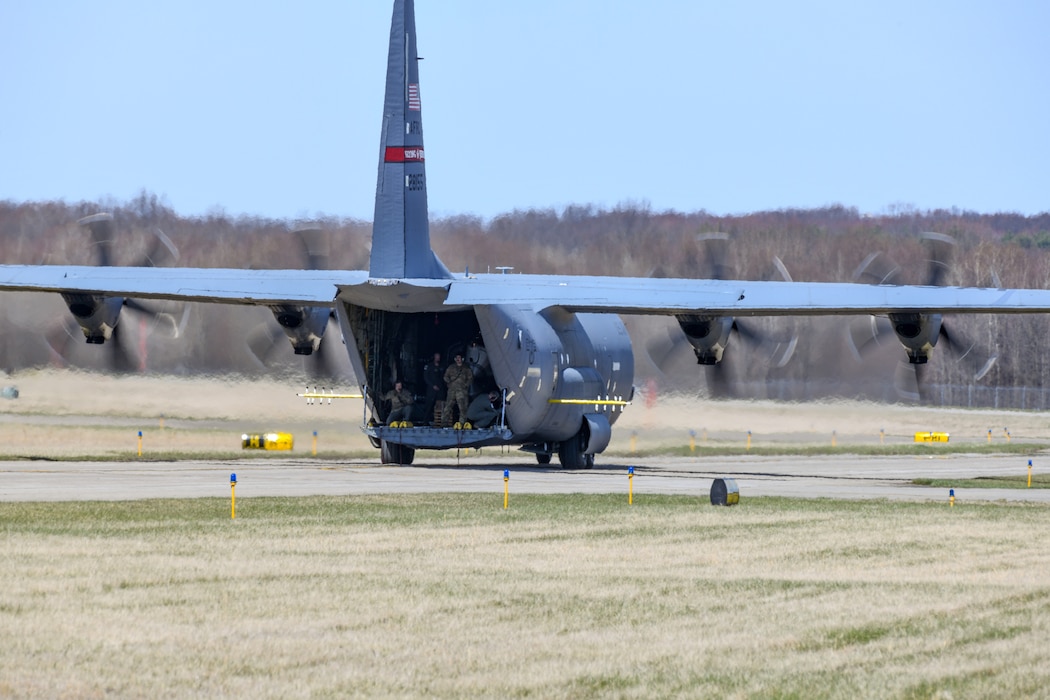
pixel 557 349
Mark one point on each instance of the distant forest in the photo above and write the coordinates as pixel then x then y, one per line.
pixel 826 244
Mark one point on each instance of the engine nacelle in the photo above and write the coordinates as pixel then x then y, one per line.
pixel 97 316
pixel 304 325
pixel 918 333
pixel 708 335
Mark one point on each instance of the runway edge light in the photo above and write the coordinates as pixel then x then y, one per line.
pixel 233 495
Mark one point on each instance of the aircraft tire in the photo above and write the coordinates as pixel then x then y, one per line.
pixel 392 453
pixel 570 453
pixel 543 459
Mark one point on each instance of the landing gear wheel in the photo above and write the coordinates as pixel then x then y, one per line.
pixel 570 453
pixel 543 459
pixel 392 453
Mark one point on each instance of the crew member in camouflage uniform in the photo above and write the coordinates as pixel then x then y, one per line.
pixel 458 378
pixel 401 401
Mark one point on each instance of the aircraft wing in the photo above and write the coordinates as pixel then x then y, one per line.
pixel 623 295
pixel 229 286
pixel 641 295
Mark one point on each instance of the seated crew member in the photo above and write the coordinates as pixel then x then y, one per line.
pixel 401 401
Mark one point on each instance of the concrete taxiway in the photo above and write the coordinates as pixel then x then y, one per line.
pixel 847 477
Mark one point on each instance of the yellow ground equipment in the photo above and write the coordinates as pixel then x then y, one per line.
pixel 267 441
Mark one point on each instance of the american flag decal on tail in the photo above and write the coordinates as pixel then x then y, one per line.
pixel 413 96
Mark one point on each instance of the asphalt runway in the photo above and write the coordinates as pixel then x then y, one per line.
pixel 846 477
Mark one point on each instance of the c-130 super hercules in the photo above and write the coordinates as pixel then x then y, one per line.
pixel 556 347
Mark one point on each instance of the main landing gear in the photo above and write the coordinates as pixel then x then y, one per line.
pixel 571 453
pixel 392 453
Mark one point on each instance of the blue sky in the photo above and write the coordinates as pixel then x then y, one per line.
pixel 273 108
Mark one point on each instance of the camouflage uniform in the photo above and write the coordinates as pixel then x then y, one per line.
pixel 458 378
pixel 401 401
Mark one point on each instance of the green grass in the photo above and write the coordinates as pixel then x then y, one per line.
pixel 203 455
pixel 1039 481
pixel 559 596
pixel 790 450
pixel 781 450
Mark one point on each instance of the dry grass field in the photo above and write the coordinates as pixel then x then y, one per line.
pixel 450 595
pixel 65 413
pixel 570 596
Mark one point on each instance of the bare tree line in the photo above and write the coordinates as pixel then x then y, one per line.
pixel 826 244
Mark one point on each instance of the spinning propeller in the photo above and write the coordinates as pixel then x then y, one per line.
pixel 708 336
pixel 98 317
pixel 919 333
pixel 303 326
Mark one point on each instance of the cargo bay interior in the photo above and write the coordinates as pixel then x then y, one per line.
pixel 396 345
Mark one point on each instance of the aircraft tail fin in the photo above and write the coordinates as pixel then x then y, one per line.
pixel 401 230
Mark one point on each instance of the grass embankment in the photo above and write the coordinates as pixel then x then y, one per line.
pixel 864 450
pixel 781 450
pixel 576 596
pixel 1039 481
pixel 203 455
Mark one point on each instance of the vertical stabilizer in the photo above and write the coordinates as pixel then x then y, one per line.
pixel 401 231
